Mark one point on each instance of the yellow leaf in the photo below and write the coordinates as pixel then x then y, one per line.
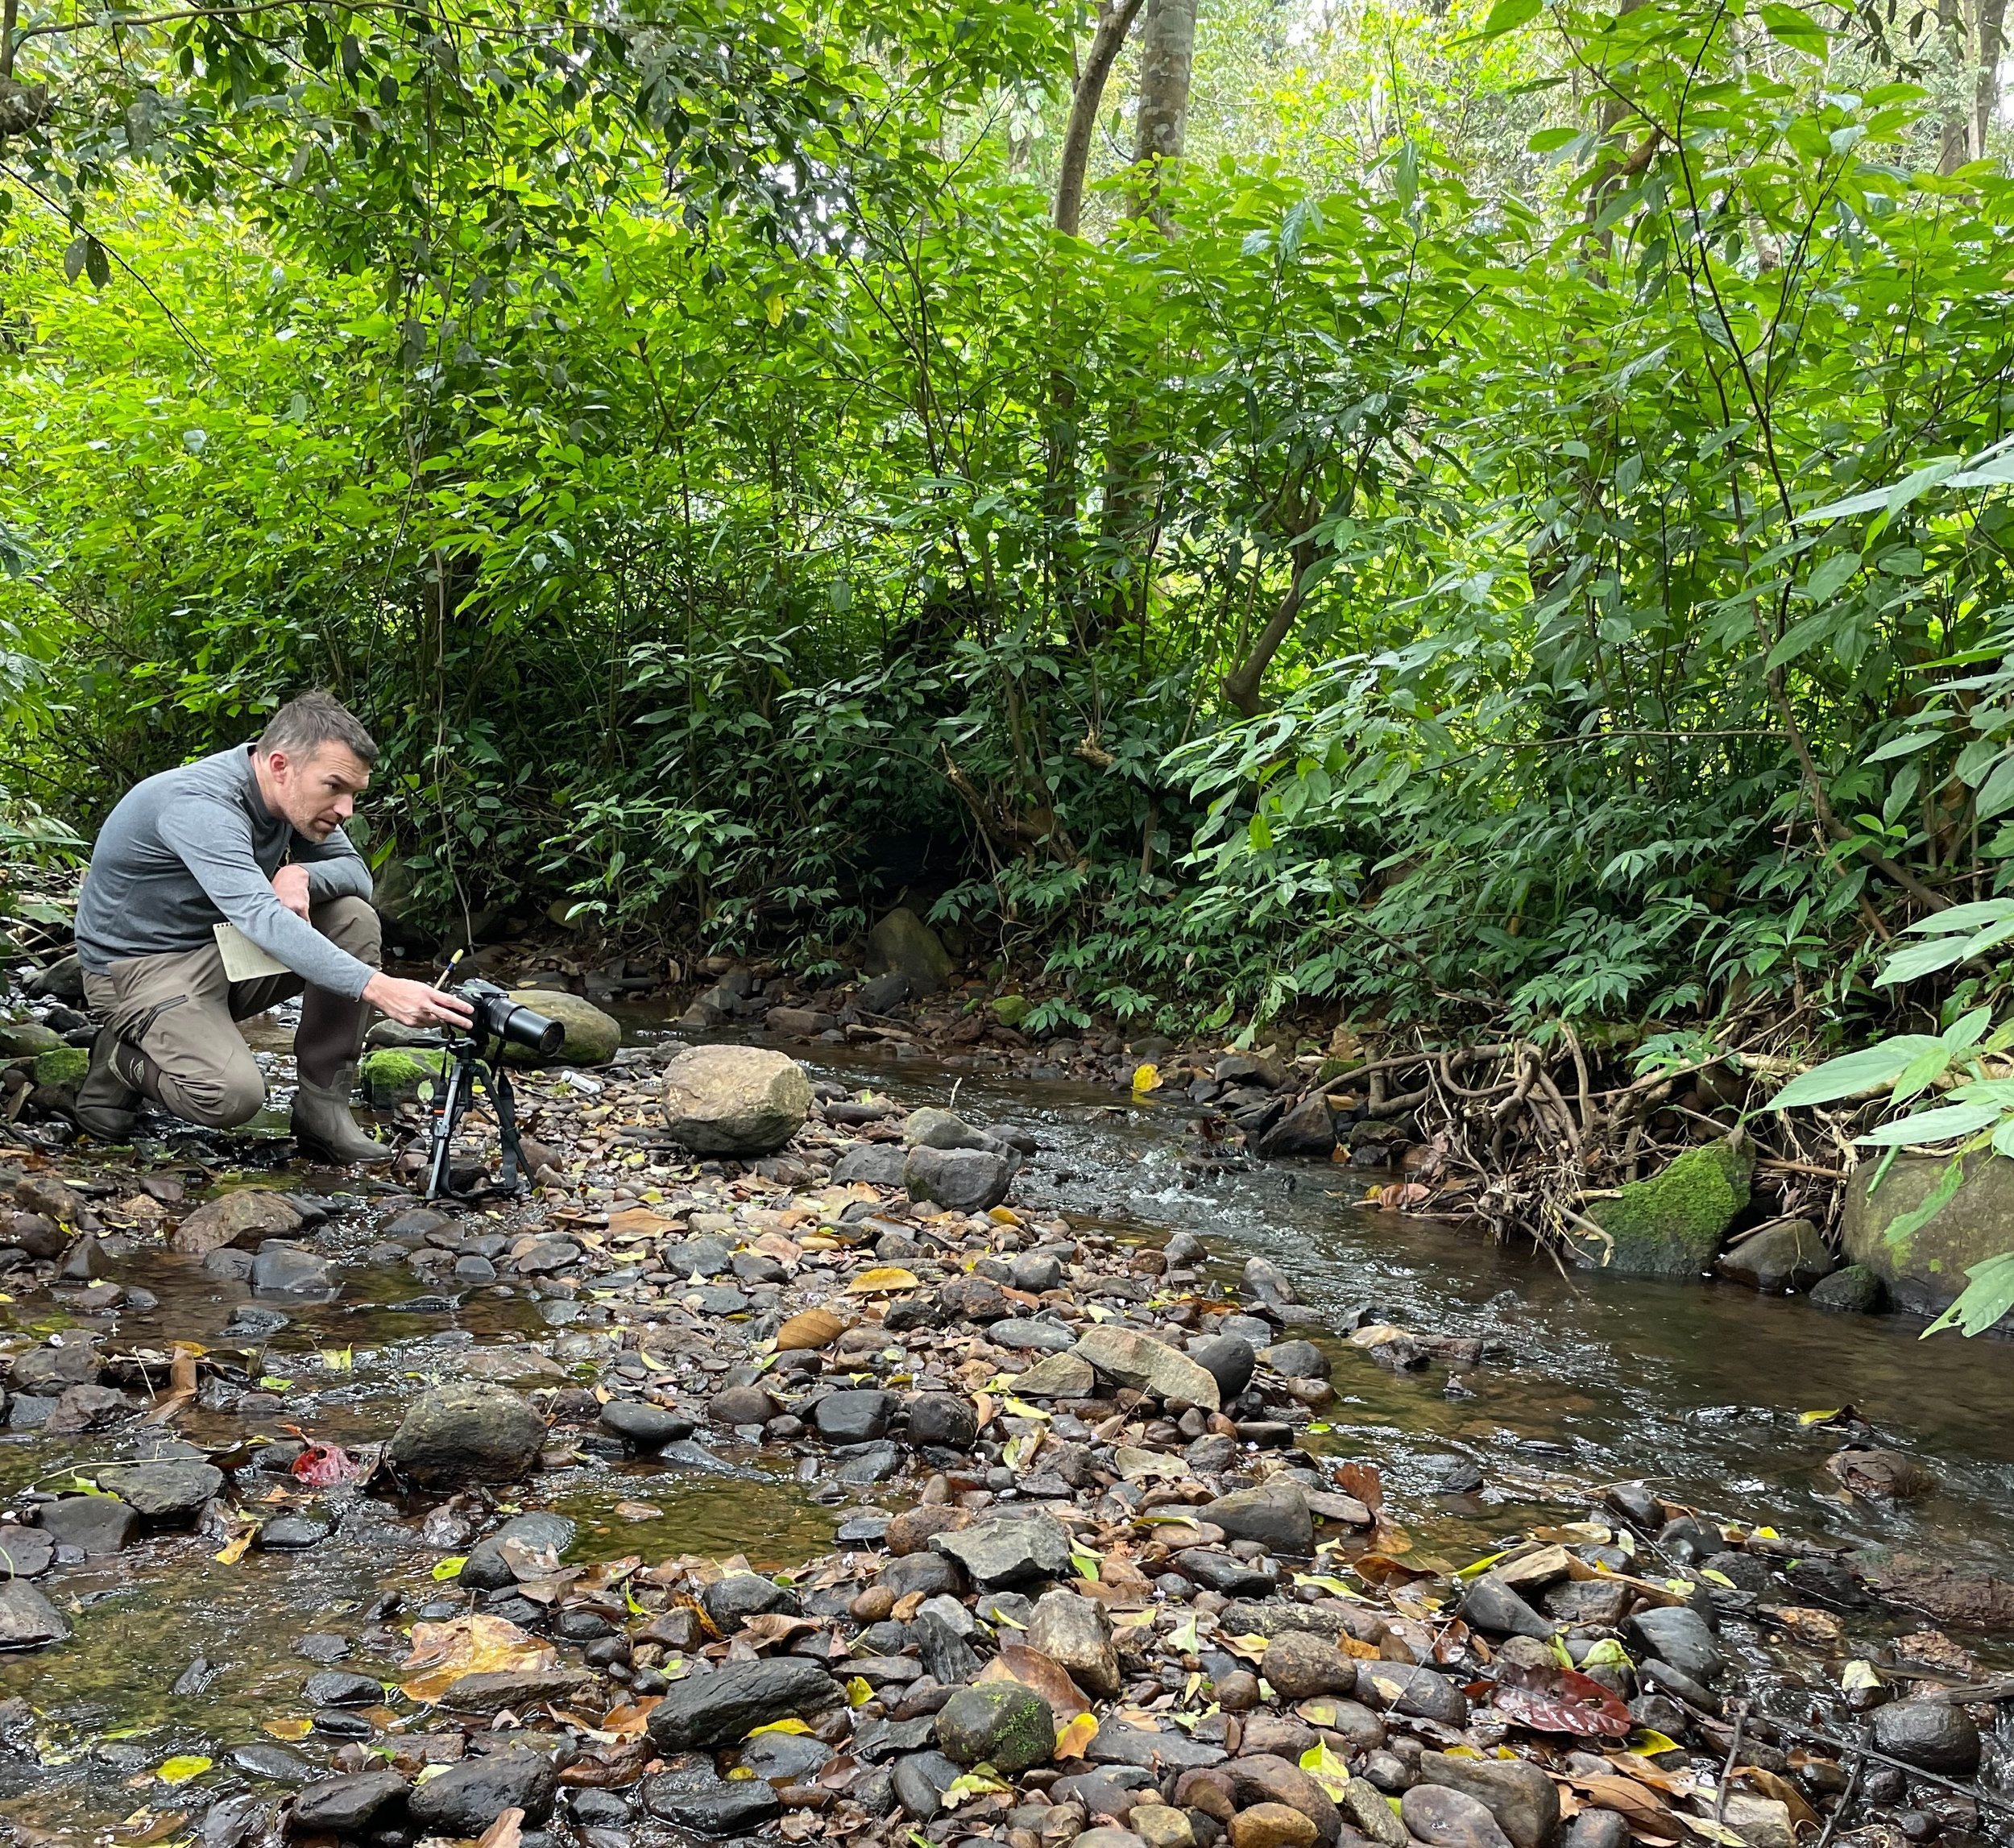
pixel 1818 1417
pixel 883 1280
pixel 290 1729
pixel 450 1568
pixel 773 308
pixel 1713 1577
pixel 233 1550
pixel 1146 1079
pixel 1328 1770
pixel 1857 1676
pixel 181 1770
pixel 1646 1742
pixel 858 1694
pixel 781 1726
pixel 740 1773
pixel 1075 1739
pixel 339 1359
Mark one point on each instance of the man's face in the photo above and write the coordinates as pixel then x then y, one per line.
pixel 318 793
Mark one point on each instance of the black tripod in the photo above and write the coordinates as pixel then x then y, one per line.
pixel 470 1065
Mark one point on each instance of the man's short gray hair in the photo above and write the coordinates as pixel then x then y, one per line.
pixel 310 720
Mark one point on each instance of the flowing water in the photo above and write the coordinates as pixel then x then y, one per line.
pixel 1696 1387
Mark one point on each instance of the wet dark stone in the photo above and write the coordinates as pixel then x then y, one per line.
pixel 342 1805
pixel 1932 1735
pixel 1679 1634
pixel 292 1533
pixel 97 1524
pixel 715 1809
pixel 581 1627
pixel 1494 1608
pixel 1221 1572
pixel 165 1491
pixel 729 1703
pixel 921 1779
pixel 867 1463
pixel 730 1602
pixel 484 1570
pixel 342 1688
pixel 943 1419
pixel 340 1723
pixel 467 1797
pixel 25 1552
pixel 784 1757
pixel 1230 1360
pixel 647 1427
pixel 853 1417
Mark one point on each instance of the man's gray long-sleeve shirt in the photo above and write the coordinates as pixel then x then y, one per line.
pixel 197 846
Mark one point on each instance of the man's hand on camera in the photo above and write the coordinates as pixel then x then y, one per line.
pixel 414 1003
pixel 290 887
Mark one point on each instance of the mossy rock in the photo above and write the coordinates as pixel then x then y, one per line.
pixel 394 1074
pixel 1671 1224
pixel 1011 1010
pixel 592 1036
pixel 64 1065
pixel 1926 1270
pixel 28 1038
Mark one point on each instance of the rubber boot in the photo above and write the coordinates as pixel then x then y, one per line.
pixel 108 1100
pixel 324 1128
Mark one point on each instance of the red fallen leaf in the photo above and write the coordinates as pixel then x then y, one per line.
pixel 1559 1700
pixel 325 1466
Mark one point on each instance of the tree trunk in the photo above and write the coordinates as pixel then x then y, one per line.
pixel 1955 137
pixel 1241 685
pixel 1167 59
pixel 1114 22
pixel 1986 91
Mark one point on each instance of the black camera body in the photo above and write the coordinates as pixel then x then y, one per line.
pixel 500 1019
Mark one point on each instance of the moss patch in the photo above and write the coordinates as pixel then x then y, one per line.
pixel 394 1074
pixel 1011 1010
pixel 1671 1224
pixel 67 1065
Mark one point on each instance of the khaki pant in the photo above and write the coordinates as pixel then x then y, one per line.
pixel 181 1012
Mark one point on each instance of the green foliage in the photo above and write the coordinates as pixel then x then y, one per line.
pixel 685 438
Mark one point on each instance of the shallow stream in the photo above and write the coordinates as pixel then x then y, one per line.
pixel 1698 1388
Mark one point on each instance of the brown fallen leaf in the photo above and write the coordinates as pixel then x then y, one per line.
pixel 1773 1784
pixel 1643 1810
pixel 1048 1677
pixel 477 1644
pixel 507 1831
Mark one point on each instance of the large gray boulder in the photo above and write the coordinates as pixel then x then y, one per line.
pixel 735 1099
pixel 592 1036
pixel 902 942
pixel 467 1433
pixel 1925 1272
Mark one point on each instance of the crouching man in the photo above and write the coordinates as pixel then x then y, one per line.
pixel 253 839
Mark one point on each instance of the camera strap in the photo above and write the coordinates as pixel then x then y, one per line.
pixel 506 1102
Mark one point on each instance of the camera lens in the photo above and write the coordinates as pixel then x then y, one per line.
pixel 526 1028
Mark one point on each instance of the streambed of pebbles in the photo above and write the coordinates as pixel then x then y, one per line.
pixel 1096 1573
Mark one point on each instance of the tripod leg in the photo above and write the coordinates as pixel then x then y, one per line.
pixel 444 1122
